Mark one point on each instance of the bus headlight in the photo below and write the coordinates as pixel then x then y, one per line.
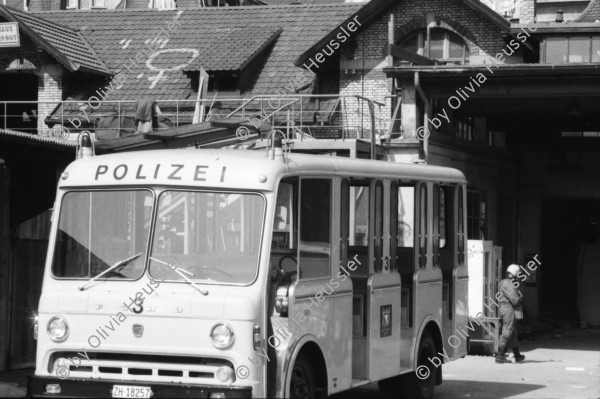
pixel 224 374
pixel 58 329
pixel 222 336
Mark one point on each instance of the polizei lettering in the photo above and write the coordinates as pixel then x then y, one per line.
pixel 165 171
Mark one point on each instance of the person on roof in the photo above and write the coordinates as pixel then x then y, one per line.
pixel 510 303
pixel 145 112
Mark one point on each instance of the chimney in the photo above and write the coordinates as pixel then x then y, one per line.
pixel 559 17
pixel 526 11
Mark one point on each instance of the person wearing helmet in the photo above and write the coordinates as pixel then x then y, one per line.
pixel 510 298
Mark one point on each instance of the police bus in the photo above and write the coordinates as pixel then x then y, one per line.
pixel 235 273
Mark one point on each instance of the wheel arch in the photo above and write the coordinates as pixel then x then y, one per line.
pixel 308 345
pixel 432 327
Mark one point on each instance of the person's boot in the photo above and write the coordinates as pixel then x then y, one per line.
pixel 501 355
pixel 518 357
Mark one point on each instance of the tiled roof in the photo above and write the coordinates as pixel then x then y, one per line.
pixel 374 9
pixel 16 4
pixel 6 135
pixel 166 41
pixel 591 13
pixel 281 2
pixel 181 4
pixel 64 42
pixel 234 49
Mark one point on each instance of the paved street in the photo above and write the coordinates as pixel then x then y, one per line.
pixel 565 368
pixel 555 368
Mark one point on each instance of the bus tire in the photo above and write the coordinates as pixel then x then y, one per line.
pixel 422 386
pixel 302 384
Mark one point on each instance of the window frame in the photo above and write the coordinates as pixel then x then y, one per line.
pixel 424 45
pixel 567 55
pixel 479 220
pixel 148 239
pixel 102 4
pixel 195 190
pixel 331 181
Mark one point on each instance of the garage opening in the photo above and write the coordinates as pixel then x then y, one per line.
pixel 19 116
pixel 571 248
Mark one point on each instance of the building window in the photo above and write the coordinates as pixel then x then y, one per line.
pixel 572 50
pixel 162 4
pixel 443 45
pixel 465 128
pixel 476 215
pixel 223 82
pixel 84 4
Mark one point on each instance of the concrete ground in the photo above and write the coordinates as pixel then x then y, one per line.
pixel 554 368
pixel 561 367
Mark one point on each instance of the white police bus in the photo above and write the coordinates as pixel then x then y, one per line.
pixel 228 273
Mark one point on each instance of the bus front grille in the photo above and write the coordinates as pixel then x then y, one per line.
pixel 134 367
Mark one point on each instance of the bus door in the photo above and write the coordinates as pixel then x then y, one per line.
pixel 403 200
pixel 319 296
pixel 428 279
pixel 461 274
pixel 444 253
pixel 384 290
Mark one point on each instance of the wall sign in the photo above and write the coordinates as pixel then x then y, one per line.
pixel 9 34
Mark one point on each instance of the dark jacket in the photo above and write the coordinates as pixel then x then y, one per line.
pixel 145 109
pixel 511 297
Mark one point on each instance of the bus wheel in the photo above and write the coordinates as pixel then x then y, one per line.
pixel 420 383
pixel 302 384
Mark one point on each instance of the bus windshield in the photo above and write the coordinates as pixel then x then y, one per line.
pixel 100 229
pixel 207 237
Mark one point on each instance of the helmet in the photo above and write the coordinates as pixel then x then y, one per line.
pixel 513 269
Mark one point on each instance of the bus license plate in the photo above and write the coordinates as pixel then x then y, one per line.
pixel 128 391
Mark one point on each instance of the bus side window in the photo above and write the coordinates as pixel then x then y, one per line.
pixel 284 225
pixel 436 225
pixel 315 228
pixel 404 202
pixel 345 222
pixel 406 216
pixel 359 216
pixel 461 227
pixel 423 225
pixel 394 197
pixel 378 233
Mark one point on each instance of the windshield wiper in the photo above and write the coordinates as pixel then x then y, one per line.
pixel 119 263
pixel 180 271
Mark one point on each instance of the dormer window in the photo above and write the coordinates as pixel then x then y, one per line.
pixel 442 45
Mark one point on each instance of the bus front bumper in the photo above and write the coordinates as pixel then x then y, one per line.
pixel 77 388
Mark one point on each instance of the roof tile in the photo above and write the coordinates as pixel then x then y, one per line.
pixel 153 47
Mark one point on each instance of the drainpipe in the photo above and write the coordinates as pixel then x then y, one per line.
pixel 425 117
pixel 373 136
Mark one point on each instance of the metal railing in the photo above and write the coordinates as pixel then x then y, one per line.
pixel 301 116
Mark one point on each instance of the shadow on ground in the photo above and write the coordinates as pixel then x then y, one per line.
pixel 468 389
